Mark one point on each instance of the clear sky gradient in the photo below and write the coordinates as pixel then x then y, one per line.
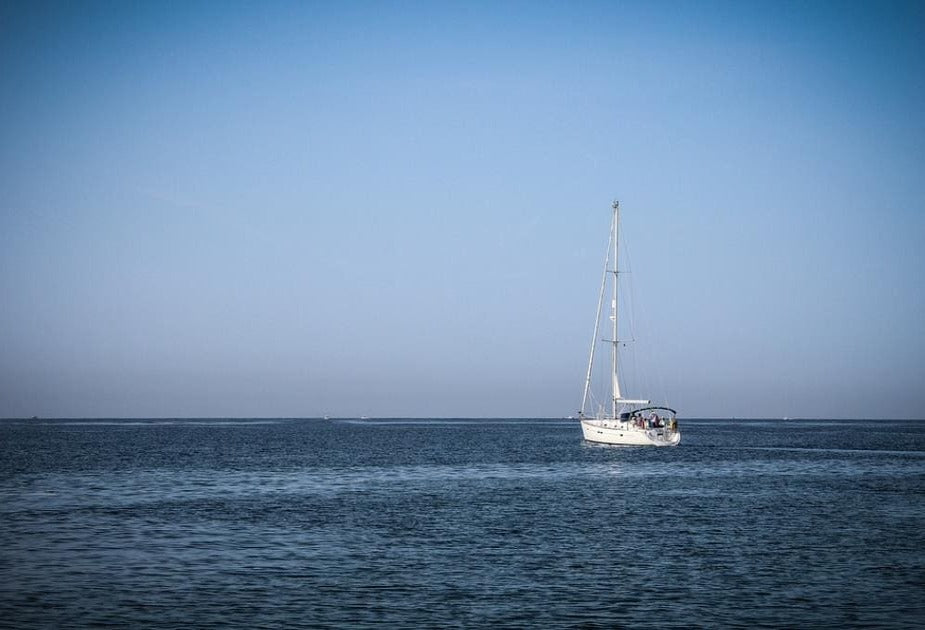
pixel 400 208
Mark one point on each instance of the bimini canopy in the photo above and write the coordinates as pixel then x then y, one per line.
pixel 640 412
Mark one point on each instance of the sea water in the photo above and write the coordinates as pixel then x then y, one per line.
pixel 459 523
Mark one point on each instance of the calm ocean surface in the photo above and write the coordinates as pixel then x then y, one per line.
pixel 436 523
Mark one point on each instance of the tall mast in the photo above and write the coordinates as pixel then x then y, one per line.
pixel 613 307
pixel 616 396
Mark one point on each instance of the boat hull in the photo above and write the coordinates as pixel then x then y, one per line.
pixel 624 434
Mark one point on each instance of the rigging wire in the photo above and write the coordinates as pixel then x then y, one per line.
pixel 597 324
pixel 630 307
pixel 650 341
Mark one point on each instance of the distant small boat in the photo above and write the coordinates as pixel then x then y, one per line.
pixel 627 422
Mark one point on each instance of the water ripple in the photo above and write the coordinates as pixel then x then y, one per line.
pixel 414 524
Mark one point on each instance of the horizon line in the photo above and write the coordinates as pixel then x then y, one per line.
pixel 401 417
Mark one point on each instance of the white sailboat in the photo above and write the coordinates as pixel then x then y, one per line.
pixel 625 421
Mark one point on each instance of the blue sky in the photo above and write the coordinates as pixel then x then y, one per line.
pixel 389 209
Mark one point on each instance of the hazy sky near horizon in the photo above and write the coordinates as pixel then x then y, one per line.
pixel 401 208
